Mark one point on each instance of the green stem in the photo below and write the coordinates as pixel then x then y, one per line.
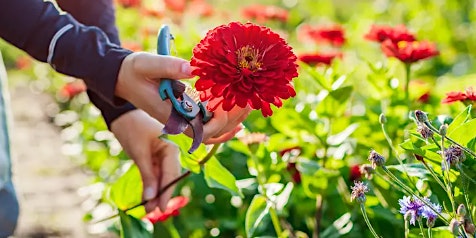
pixel 421 228
pixel 172 229
pixel 430 234
pixel 407 84
pixel 427 123
pixel 397 155
pixel 410 192
pixel 407 228
pixel 364 213
pixel 435 176
pixel 169 185
pixel 275 220
pixel 448 178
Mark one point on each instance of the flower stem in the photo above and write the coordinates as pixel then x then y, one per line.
pixel 448 178
pixel 397 155
pixel 431 127
pixel 421 228
pixel 430 234
pixel 275 220
pixel 410 192
pixel 435 176
pixel 364 213
pixel 407 228
pixel 407 84
pixel 169 185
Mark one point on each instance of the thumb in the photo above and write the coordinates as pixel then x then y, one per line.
pixel 162 66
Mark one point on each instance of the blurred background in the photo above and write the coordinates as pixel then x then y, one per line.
pixel 65 158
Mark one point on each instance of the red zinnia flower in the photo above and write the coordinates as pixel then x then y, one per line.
pixel 173 209
pixel 333 34
pixel 71 89
pixel 175 5
pixel 424 98
pixel 263 13
pixel 469 95
pixel 295 174
pixel 201 8
pixel 409 52
pixel 129 3
pixel 395 34
pixel 319 58
pixel 244 65
pixel 355 173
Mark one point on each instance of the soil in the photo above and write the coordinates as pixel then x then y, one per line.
pixel 47 181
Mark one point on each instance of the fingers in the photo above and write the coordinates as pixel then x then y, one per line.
pixel 170 170
pixel 225 137
pixel 162 66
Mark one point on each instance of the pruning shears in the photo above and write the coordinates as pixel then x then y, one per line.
pixel 186 111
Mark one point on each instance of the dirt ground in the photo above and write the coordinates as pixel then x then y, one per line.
pixel 47 182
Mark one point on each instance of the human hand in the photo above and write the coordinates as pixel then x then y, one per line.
pixel 157 160
pixel 138 82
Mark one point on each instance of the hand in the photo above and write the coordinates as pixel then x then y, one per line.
pixel 157 160
pixel 138 82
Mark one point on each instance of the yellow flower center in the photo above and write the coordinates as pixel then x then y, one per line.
pixel 248 58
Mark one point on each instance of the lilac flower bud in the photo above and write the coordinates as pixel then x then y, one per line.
pixel 461 211
pixel 424 131
pixel 382 119
pixel 469 228
pixel 443 129
pixel 376 159
pixel 367 170
pixel 454 155
pixel 421 116
pixel 454 227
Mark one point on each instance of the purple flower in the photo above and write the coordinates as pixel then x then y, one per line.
pixel 453 156
pixel 417 209
pixel 376 159
pixel 358 191
pixel 424 131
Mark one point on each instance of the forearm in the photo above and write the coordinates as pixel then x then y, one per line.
pixel 98 13
pixel 70 47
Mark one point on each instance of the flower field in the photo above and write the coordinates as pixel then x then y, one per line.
pixel 362 122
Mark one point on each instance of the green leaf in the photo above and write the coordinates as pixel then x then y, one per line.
pixel 337 139
pixel 413 170
pixel 133 227
pixel 188 161
pixel 459 120
pixel 319 78
pixel 308 167
pixel 341 226
pixel 217 176
pixel 127 192
pixel 334 104
pixel 255 214
pixel 461 135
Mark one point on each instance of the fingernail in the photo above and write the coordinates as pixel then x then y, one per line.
pixel 186 68
pixel 149 193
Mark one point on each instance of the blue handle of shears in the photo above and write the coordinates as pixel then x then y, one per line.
pixel 165 89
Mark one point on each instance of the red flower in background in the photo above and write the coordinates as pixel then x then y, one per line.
pixel 173 209
pixel 23 62
pixel 451 97
pixel 355 173
pixel 424 98
pixel 244 65
pixel 333 34
pixel 381 33
pixel 295 174
pixel 201 8
pixel 71 89
pixel 129 3
pixel 319 58
pixel 175 5
pixel 409 52
pixel 263 13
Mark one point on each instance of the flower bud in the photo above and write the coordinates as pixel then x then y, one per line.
pixel 382 119
pixel 454 227
pixel 376 159
pixel 421 116
pixel 461 211
pixel 469 228
pixel 443 129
